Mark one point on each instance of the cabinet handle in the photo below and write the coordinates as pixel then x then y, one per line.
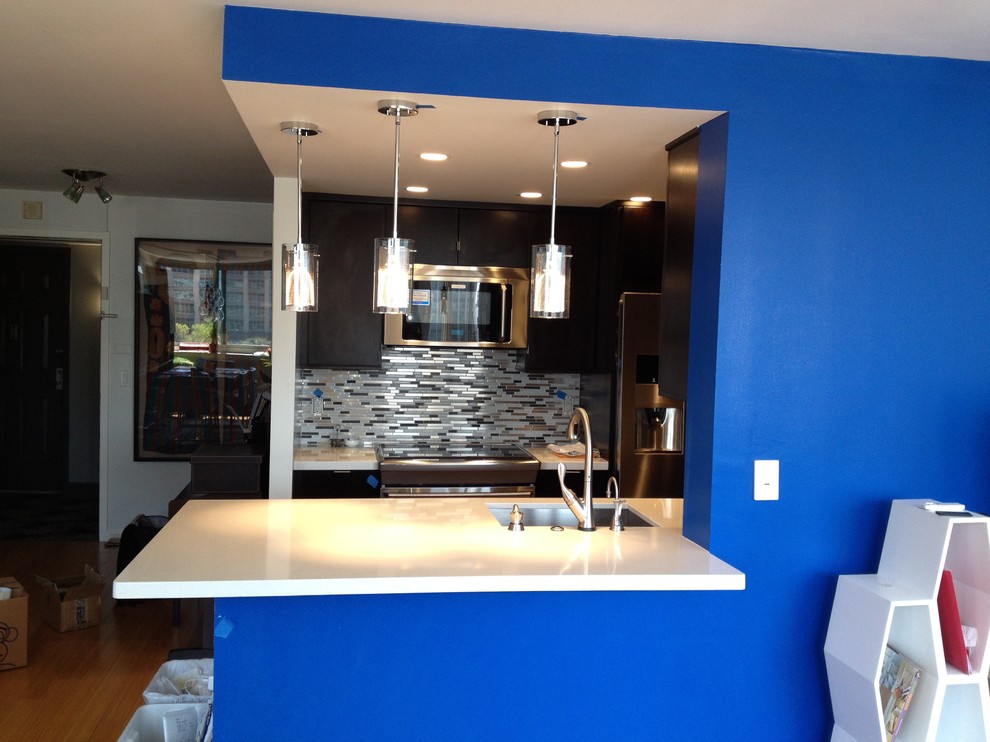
pixel 503 335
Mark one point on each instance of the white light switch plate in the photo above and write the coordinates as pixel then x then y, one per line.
pixel 766 479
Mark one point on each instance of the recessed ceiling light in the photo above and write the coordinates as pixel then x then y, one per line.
pixel 433 156
pixel 574 163
pixel 641 199
pixel 531 194
pixel 417 189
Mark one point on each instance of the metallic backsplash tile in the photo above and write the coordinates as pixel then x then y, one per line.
pixel 440 394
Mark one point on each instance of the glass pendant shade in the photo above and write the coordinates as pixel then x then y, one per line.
pixel 550 282
pixel 301 270
pixel 393 274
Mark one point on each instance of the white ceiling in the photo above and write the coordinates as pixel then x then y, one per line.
pixel 133 88
pixel 496 148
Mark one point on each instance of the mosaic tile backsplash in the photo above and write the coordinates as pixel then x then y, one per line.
pixel 448 395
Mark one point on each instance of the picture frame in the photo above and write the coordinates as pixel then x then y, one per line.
pixel 202 343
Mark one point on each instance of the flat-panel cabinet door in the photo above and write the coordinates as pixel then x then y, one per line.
pixel 322 484
pixel 345 332
pixel 433 230
pixel 631 258
pixel 501 237
pixel 568 345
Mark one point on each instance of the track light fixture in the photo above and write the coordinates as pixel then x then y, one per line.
pixel 82 178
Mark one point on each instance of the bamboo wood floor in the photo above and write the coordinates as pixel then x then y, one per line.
pixel 86 684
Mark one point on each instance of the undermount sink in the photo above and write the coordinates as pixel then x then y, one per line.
pixel 560 515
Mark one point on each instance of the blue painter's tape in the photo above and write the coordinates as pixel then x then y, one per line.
pixel 223 628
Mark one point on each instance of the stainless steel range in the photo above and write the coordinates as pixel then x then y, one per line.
pixel 456 470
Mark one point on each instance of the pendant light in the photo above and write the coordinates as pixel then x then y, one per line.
pixel 393 255
pixel 300 262
pixel 550 273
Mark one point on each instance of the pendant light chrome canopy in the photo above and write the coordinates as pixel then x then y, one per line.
pixel 393 255
pixel 550 273
pixel 300 262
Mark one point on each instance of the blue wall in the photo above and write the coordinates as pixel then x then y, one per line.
pixel 853 319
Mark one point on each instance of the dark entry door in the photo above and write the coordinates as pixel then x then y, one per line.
pixel 34 320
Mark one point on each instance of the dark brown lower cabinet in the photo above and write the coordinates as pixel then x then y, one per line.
pixel 547 484
pixel 335 484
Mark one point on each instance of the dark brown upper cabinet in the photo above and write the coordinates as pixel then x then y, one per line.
pixel 433 230
pixel 345 332
pixel 466 235
pixel 631 260
pixel 569 345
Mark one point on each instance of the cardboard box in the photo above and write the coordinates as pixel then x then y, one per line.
pixel 72 602
pixel 13 626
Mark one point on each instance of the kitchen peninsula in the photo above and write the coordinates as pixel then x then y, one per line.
pixel 426 619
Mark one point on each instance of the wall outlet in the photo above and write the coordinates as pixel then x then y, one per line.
pixel 317 405
pixel 766 479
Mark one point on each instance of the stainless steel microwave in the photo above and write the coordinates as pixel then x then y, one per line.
pixel 463 306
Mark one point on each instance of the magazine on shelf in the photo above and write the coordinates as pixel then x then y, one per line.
pixel 898 680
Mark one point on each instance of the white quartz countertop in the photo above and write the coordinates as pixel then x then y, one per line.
pixel 249 548
pixel 363 458
pixel 329 458
pixel 549 460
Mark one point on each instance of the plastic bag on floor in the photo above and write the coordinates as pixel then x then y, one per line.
pixel 182 681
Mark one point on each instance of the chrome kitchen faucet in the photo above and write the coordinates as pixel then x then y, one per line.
pixel 583 507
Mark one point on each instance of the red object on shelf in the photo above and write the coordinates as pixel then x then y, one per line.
pixel 951 624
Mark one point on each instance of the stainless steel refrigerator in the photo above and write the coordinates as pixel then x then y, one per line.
pixel 647 450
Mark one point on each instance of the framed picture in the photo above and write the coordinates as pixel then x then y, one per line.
pixel 202 343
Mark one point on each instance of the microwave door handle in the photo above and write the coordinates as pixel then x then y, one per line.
pixel 503 332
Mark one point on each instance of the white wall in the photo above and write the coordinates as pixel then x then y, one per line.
pixel 129 488
pixel 84 363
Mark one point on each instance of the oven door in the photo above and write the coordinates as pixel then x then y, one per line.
pixel 459 491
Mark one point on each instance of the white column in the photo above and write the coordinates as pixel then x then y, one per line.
pixel 283 415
